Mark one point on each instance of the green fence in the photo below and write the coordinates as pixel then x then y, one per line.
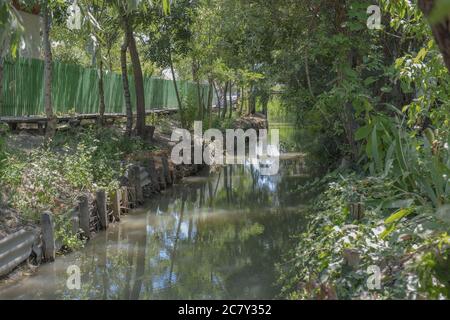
pixel 75 89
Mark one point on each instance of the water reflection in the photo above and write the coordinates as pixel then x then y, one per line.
pixel 214 238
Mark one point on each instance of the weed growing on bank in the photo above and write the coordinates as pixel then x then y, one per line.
pixel 52 176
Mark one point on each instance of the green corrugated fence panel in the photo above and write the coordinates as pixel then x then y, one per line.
pixel 75 89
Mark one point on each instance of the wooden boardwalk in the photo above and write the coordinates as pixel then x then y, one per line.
pixel 41 121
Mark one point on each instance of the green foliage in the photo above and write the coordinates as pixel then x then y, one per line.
pixel 11 29
pixel 417 164
pixel 440 11
pixel 51 177
pixel 190 110
pixel 2 146
pixel 163 123
pixel 397 241
pixel 78 167
pixel 63 233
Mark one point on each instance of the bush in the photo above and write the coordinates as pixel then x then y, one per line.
pixel 405 239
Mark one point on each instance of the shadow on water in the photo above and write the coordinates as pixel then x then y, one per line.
pixel 217 236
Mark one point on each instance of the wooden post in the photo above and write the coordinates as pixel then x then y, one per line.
pixel 101 208
pixel 125 203
pixel 153 174
pixel 166 170
pixel 352 258
pixel 83 208
pixel 48 236
pixel 75 220
pixel 357 211
pixel 135 179
pixel 115 204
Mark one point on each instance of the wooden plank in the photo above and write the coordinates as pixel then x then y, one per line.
pixel 93 116
pixel 48 236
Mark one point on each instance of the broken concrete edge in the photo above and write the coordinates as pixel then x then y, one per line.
pixel 16 248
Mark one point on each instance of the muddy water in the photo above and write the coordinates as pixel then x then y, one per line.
pixel 217 236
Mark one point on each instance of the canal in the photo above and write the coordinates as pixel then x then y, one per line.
pixel 219 235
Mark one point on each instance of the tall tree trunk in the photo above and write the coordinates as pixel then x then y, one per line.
pixel 126 85
pixel 1 80
pixel 242 101
pixel 138 77
pixel 230 114
pixel 177 92
pixel 51 120
pixel 225 98
pixel 195 68
pixel 200 100
pixel 308 77
pixel 101 93
pixel 252 101
pixel 441 30
pixel 210 103
pixel 218 97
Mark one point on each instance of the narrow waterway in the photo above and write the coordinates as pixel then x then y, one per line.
pixel 216 236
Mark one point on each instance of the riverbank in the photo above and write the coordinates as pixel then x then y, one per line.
pixel 38 177
pixel 363 243
pixel 213 236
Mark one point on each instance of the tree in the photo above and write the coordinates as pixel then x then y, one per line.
pixel 46 25
pixel 130 18
pixel 126 86
pixel 168 37
pixel 127 14
pixel 439 18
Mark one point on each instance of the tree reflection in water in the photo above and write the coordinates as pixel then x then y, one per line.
pixel 216 238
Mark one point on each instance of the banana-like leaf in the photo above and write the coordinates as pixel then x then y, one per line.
pixel 166 6
pixel 375 150
pixel 397 216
